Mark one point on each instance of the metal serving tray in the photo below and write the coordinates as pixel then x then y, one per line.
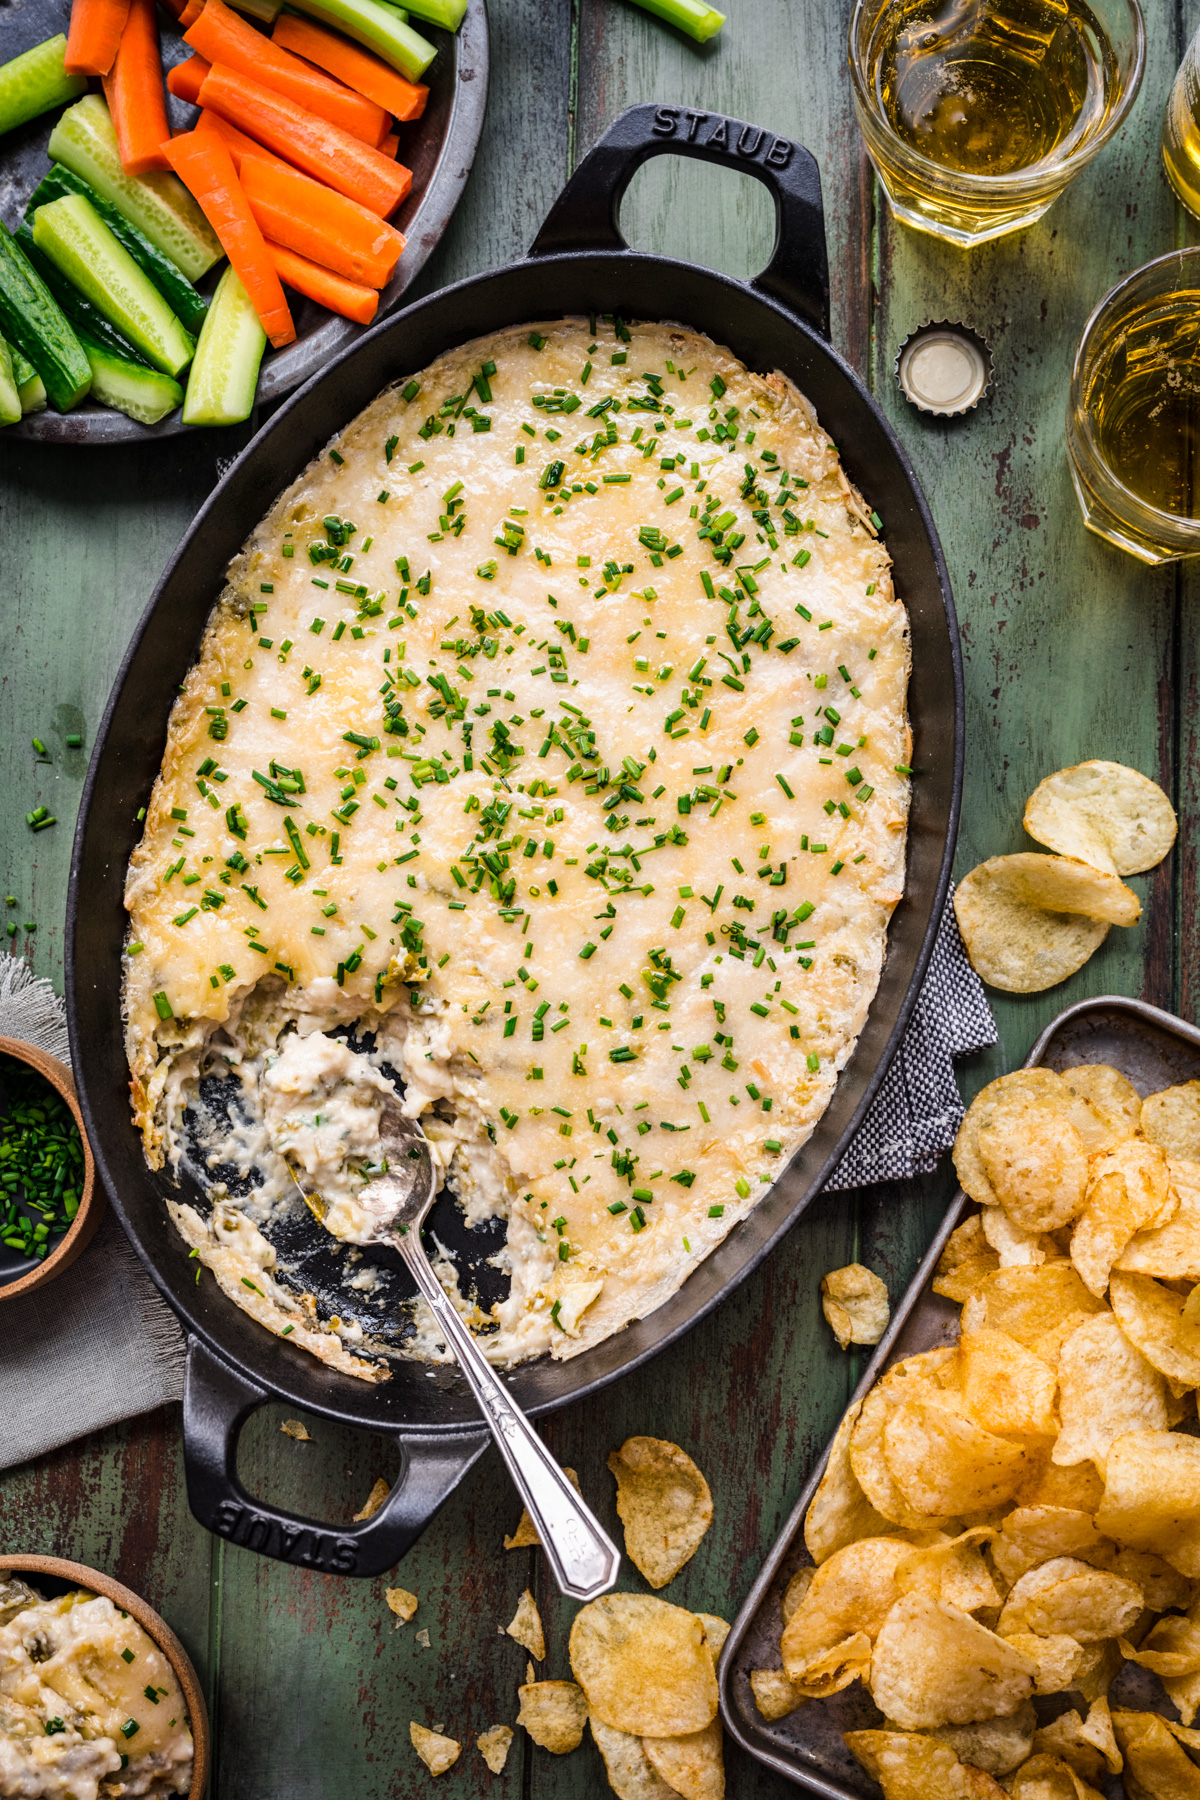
pixel 1153 1049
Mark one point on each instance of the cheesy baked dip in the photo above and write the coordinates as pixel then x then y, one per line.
pixel 545 761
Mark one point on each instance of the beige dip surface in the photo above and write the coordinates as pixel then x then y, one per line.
pixel 551 729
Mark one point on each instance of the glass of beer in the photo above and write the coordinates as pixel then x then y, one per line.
pixel 977 113
pixel 1133 418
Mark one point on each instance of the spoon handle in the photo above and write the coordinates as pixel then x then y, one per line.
pixel 583 1557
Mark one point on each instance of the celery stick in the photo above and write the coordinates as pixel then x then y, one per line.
pixel 379 28
pixel 691 16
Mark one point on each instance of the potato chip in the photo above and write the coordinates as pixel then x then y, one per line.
pixel 908 1766
pixel 1128 1191
pixel 952 1569
pixel 934 1665
pixel 294 1428
pixel 373 1501
pixel 774 1695
pixel 966 1260
pixel 1151 1318
pixel 1170 1648
pixel 855 1303
pixel 693 1766
pixel 944 1463
pixel 1028 1303
pixel 968 1163
pixel 1155 1765
pixel 644 1665
pixel 526 1626
pixel 494 1745
pixel 1171 1119
pixel 1005 1388
pixel 839 1511
pixel 1110 1094
pixel 1035 1162
pixel 1106 1388
pixel 846 1603
pixel 1056 1658
pixel 1030 1535
pixel 1104 814
pixel 795 1591
pixel 1163 1587
pixel 997 1746
pixel 1184 1690
pixel 526 1533
pixel 716 1630
pixel 664 1504
pixel 871 1469
pixel 1078 1488
pixel 402 1603
pixel 1170 1251
pixel 438 1753
pixel 1090 1745
pixel 1152 1496
pixel 1046 1777
pixel 1014 1246
pixel 554 1714
pixel 1087 1604
pixel 626 1764
pixel 1018 945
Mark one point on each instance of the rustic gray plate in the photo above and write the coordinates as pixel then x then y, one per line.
pixel 439 148
pixel 1154 1050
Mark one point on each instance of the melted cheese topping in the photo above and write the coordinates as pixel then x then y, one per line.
pixel 551 728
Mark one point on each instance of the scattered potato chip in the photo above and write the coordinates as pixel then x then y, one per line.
pixel 1105 1389
pixel 1046 1777
pixel 1056 1658
pixel 1155 1764
pixel 966 1260
pixel 1078 1488
pixel 494 1745
pixel 797 1588
pixel 374 1500
pixel 997 1746
pixel 1152 1317
pixel 526 1626
pixel 694 1766
pixel 951 1569
pixel 664 1504
pixel 826 1643
pixel 1020 945
pixel 423 1639
pixel 1128 1191
pixel 294 1429
pixel 1152 1496
pixel 1006 1389
pixel 968 1163
pixel 438 1753
pixel 1163 1587
pixel 1104 814
pixel 1112 1095
pixel 1171 1119
pixel 855 1303
pixel 774 1695
pixel 1184 1690
pixel 1088 1745
pixel 1098 1669
pixel 626 1764
pixel 526 1534
pixel 644 1665
pixel 402 1603
pixel 1030 1535
pixel 554 1714
pixel 908 1766
pixel 716 1630
pixel 1170 1251
pixel 934 1665
pixel 1014 1246
pixel 839 1511
pixel 1029 1303
pixel 945 1464
pixel 1066 1597
pixel 871 1468
pixel 1035 1162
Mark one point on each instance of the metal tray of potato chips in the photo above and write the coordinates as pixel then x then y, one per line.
pixel 1153 1049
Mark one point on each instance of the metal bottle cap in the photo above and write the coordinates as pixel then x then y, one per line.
pixel 944 368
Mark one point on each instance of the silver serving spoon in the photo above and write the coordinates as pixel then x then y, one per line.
pixel 583 1557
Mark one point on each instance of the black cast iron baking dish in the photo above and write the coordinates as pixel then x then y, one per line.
pixel 579 263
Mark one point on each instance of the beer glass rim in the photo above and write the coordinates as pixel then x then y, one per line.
pixel 1049 170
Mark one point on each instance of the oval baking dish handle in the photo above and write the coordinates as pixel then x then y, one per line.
pixel 217 1401
pixel 586 215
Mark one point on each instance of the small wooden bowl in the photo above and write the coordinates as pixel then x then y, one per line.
pixel 91 1202
pixel 78 1575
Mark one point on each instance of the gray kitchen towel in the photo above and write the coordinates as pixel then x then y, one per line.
pixel 99 1344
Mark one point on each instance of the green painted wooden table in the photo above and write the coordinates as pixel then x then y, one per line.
pixel 1072 650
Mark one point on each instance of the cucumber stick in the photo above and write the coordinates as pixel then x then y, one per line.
pixel 71 233
pixel 175 288
pixel 380 28
pixel 85 141
pixel 30 386
pixel 77 308
pixel 10 399
pixel 141 393
pixel 224 376
pixel 32 321
pixel 34 82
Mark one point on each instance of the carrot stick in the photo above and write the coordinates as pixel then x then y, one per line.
pixel 95 33
pixel 222 37
pixel 365 73
pixel 305 216
pixel 134 91
pixel 191 13
pixel 186 78
pixel 322 285
pixel 322 150
pixel 390 144
pixel 205 166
